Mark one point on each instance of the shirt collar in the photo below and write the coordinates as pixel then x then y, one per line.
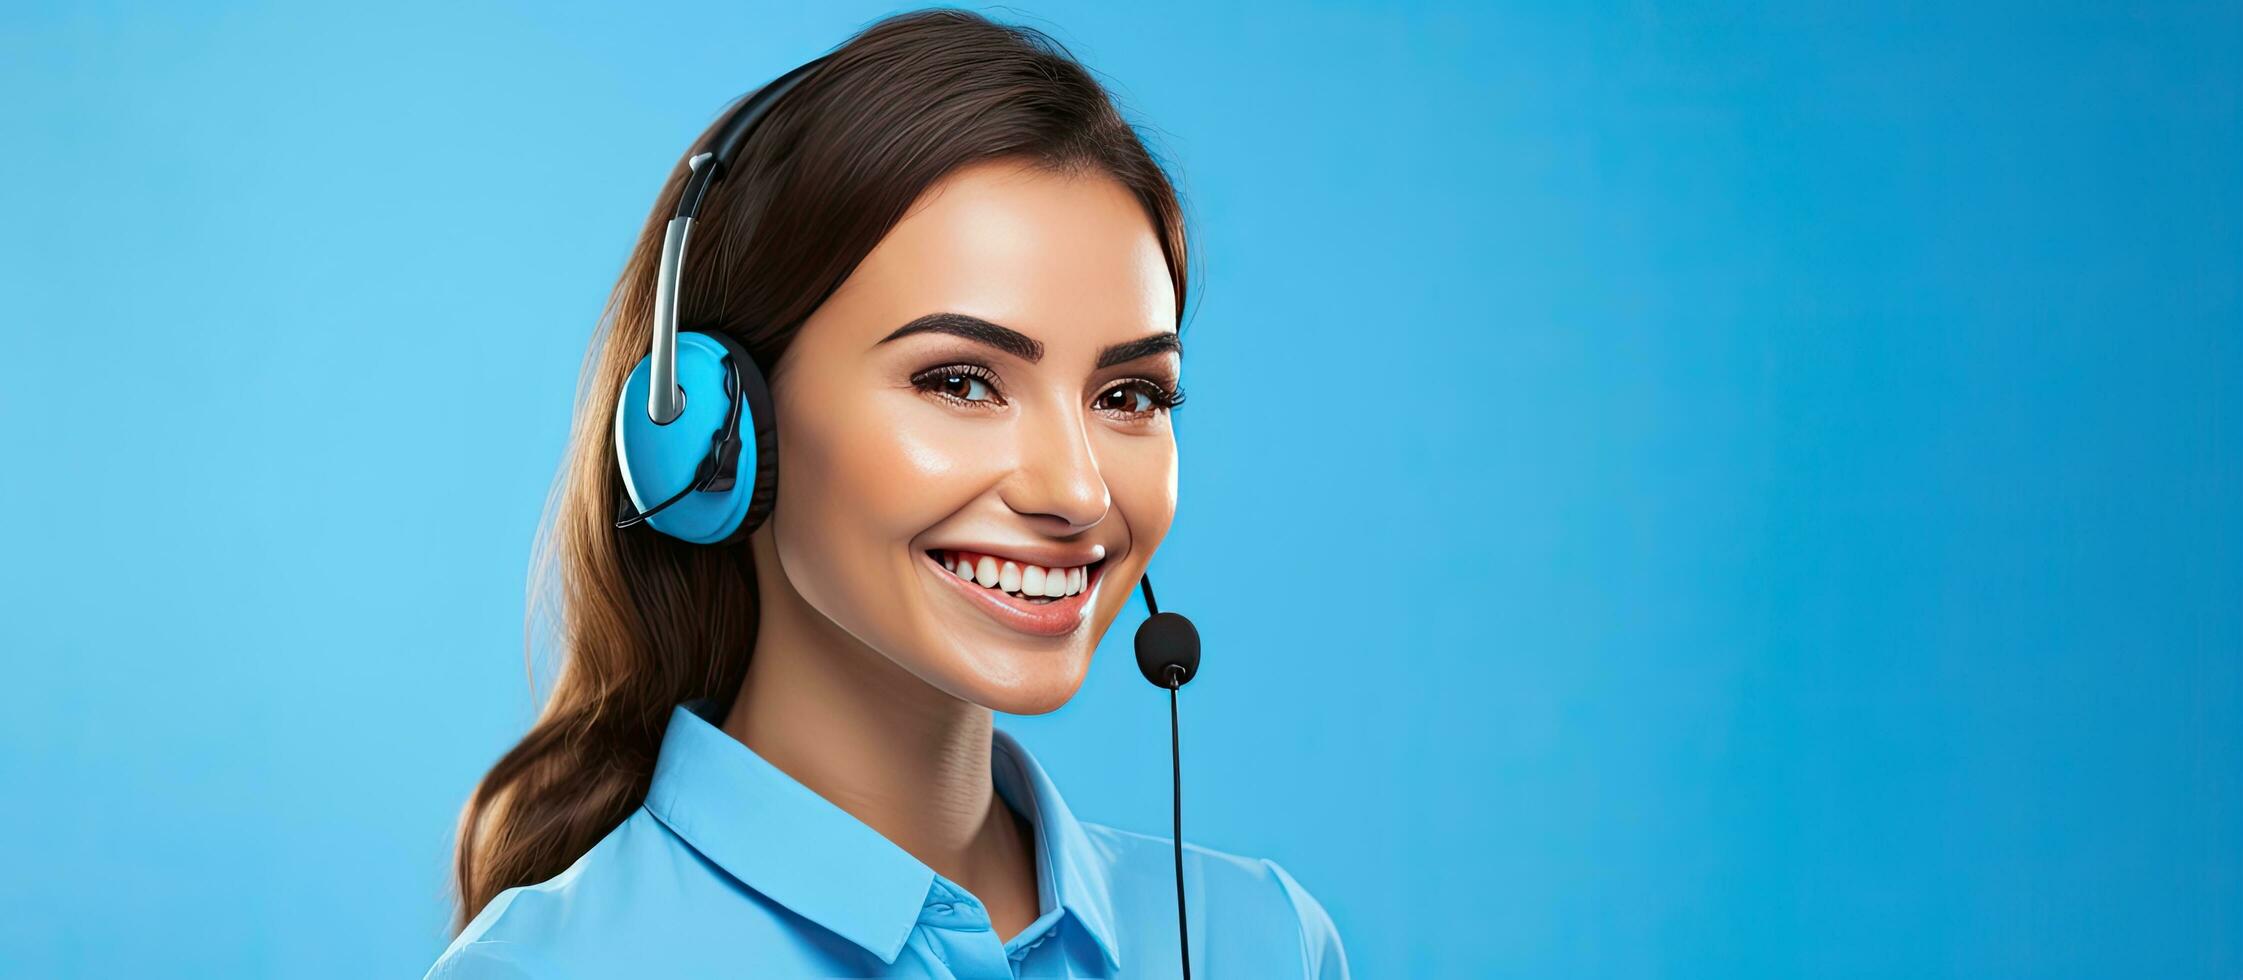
pixel 1069 871
pixel 797 848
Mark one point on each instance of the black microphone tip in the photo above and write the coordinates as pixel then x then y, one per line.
pixel 1167 650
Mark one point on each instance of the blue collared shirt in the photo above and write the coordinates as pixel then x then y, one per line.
pixel 732 868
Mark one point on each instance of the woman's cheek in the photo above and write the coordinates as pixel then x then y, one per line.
pixel 1145 490
pixel 1140 472
pixel 855 488
pixel 919 470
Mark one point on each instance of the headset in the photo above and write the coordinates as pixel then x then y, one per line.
pixel 695 415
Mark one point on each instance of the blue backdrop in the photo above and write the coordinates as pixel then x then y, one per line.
pixel 1756 491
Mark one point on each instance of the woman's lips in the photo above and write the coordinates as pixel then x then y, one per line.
pixel 1058 617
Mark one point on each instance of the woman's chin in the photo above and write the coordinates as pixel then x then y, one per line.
pixel 1019 682
pixel 1003 669
pixel 1017 701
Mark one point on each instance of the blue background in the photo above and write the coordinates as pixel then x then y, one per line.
pixel 1668 490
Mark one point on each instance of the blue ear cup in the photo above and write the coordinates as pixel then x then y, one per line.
pixel 707 477
pixel 711 462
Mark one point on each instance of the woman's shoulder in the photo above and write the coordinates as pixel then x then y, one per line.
pixel 509 936
pixel 1240 896
pixel 605 902
pixel 482 958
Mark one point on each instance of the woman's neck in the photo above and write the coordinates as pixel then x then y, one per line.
pixel 909 760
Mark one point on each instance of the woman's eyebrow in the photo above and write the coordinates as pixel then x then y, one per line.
pixel 1027 348
pixel 1159 343
pixel 976 329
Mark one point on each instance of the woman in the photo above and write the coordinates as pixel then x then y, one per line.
pixel 962 275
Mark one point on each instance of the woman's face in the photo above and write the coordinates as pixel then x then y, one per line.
pixel 987 392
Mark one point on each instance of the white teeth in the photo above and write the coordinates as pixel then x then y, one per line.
pixel 1027 581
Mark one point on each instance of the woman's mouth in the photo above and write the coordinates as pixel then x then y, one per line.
pixel 1034 599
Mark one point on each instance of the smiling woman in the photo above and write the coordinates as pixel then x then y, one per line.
pixel 1019 442
pixel 958 275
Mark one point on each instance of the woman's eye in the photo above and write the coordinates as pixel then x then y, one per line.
pixel 1136 397
pixel 958 383
pixel 1126 399
pixel 965 386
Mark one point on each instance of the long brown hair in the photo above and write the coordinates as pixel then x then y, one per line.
pixel 643 622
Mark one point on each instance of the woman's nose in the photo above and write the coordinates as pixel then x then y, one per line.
pixel 1057 475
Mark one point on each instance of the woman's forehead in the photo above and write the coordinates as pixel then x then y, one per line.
pixel 1071 260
